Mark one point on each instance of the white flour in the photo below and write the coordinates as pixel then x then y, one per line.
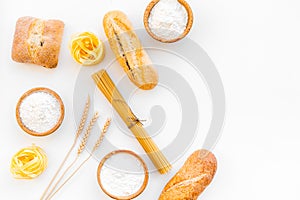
pixel 40 112
pixel 168 19
pixel 121 183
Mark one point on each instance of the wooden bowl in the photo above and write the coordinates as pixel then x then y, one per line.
pixel 188 26
pixel 28 93
pixel 132 196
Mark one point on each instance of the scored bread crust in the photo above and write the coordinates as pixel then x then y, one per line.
pixel 192 179
pixel 37 41
pixel 129 51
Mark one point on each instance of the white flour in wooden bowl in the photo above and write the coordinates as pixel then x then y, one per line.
pixel 122 175
pixel 40 112
pixel 168 19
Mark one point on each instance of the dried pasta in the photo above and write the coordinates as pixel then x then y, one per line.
pixel 112 94
pixel 86 49
pixel 29 163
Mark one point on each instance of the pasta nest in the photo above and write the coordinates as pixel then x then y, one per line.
pixel 86 49
pixel 29 163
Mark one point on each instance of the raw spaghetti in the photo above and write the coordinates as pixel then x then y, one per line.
pixel 86 49
pixel 112 94
pixel 29 163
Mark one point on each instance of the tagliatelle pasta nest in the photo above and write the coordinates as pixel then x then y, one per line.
pixel 87 49
pixel 29 163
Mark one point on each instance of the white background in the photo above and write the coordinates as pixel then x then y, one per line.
pixel 255 46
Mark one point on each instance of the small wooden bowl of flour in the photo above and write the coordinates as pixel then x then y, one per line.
pixel 168 21
pixel 40 111
pixel 122 175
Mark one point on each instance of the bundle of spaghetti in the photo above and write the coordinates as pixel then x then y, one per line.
pixel 108 88
pixel 28 163
pixel 86 48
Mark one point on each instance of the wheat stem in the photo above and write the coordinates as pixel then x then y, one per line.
pixel 71 176
pixel 79 131
pixel 61 177
pixel 96 146
pixel 79 151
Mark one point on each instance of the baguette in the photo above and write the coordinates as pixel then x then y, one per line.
pixel 37 41
pixel 128 50
pixel 192 179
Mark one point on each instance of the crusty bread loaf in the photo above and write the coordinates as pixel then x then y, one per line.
pixel 37 41
pixel 128 49
pixel 191 180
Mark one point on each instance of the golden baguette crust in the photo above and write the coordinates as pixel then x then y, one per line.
pixel 192 179
pixel 128 50
pixel 37 41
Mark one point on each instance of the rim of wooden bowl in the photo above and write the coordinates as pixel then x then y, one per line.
pixel 186 31
pixel 28 93
pixel 146 172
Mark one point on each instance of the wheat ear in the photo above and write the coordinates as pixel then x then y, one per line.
pixel 79 151
pixel 97 144
pixel 100 139
pixel 87 133
pixel 83 119
pixel 79 131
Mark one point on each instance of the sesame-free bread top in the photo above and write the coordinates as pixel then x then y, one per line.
pixel 194 176
pixel 37 41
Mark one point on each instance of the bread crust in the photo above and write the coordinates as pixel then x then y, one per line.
pixel 37 41
pixel 129 51
pixel 192 179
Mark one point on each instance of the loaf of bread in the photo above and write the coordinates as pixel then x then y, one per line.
pixel 37 41
pixel 191 180
pixel 128 50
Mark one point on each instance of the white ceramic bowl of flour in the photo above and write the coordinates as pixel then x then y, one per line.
pixel 40 111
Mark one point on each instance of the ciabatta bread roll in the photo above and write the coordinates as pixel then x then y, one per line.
pixel 191 180
pixel 37 41
pixel 128 49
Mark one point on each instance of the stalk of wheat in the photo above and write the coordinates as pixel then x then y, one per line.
pixel 96 146
pixel 79 131
pixel 79 151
